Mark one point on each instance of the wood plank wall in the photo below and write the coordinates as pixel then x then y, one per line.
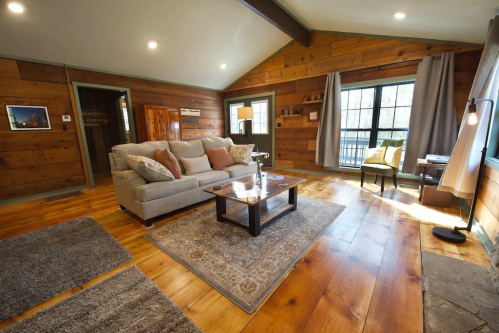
pixel 35 162
pixel 487 209
pixel 291 73
pixel 147 92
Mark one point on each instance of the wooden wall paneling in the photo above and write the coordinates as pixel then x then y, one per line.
pixel 8 69
pixel 31 71
pixel 330 52
pixel 487 211
pixel 32 89
pixel 24 190
pixel 33 157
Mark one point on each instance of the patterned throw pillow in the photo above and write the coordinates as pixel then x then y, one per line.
pixel 241 154
pixel 148 168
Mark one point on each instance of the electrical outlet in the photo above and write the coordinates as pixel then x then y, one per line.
pixel 278 154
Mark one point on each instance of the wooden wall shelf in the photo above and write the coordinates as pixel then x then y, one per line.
pixel 290 115
pixel 312 102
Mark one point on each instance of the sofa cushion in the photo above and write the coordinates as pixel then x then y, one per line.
pixel 186 149
pixel 166 158
pixel 147 149
pixel 150 169
pixel 240 169
pixel 196 165
pixel 165 189
pixel 220 158
pixel 242 153
pixel 211 177
pixel 214 143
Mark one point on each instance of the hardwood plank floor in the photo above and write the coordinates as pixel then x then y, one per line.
pixel 362 275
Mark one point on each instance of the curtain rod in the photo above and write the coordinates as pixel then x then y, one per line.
pixel 394 64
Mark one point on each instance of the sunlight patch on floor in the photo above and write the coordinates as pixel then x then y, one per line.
pixel 426 214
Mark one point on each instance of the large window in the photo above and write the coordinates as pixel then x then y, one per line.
pixel 234 123
pixel 371 114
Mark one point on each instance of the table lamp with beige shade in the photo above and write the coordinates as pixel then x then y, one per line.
pixel 244 113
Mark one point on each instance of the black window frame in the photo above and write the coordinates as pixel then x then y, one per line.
pixel 375 129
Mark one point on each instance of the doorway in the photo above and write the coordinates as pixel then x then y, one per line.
pixel 106 120
pixel 260 130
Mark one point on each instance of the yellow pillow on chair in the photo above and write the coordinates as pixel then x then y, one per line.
pixel 375 155
pixel 392 156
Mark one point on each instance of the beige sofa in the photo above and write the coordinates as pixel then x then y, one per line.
pixel 148 200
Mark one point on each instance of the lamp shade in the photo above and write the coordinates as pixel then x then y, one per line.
pixel 245 112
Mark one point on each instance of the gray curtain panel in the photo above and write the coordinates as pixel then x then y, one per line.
pixel 327 151
pixel 433 124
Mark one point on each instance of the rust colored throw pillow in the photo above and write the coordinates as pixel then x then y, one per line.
pixel 166 158
pixel 220 158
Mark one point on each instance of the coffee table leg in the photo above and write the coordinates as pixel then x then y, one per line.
pixel 254 220
pixel 221 207
pixel 293 197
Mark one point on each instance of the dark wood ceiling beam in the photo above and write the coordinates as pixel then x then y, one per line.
pixel 277 16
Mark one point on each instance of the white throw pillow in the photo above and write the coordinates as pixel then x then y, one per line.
pixel 375 155
pixel 196 165
pixel 392 156
pixel 148 168
pixel 241 154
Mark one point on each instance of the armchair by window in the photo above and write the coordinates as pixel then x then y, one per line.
pixel 386 165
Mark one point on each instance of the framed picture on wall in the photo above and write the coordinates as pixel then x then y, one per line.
pixel 313 116
pixel 28 118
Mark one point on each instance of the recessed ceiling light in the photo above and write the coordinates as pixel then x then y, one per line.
pixel 223 66
pixel 16 7
pixel 399 16
pixel 152 45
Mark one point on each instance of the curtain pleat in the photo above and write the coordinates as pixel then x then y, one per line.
pixel 329 134
pixel 433 124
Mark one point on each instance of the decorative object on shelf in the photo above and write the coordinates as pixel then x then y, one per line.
pixel 455 235
pixel 305 98
pixel 291 111
pixel 300 112
pixel 28 118
pixel 190 112
pixel 313 115
pixel 282 113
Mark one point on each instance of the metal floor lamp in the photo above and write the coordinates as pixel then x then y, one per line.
pixel 455 235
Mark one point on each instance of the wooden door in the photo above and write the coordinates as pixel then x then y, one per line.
pixel 174 124
pixel 162 123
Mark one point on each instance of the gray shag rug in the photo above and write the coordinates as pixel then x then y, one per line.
pixel 37 266
pixel 242 267
pixel 126 302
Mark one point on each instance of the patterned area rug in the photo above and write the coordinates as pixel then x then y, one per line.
pixel 36 266
pixel 242 267
pixel 126 302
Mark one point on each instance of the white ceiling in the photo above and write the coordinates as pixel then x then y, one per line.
pixel 449 20
pixel 194 37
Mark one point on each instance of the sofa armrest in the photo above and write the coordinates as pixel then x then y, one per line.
pixel 125 183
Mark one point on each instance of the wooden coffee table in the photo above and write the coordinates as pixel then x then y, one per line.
pixel 245 191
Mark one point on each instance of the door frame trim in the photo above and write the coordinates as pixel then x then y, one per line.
pixel 270 94
pixel 131 122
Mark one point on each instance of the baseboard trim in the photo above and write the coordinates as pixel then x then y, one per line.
pixel 477 227
pixel 44 194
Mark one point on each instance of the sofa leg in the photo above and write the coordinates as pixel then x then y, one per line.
pixel 375 178
pixel 362 174
pixel 395 180
pixel 122 207
pixel 382 183
pixel 148 223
